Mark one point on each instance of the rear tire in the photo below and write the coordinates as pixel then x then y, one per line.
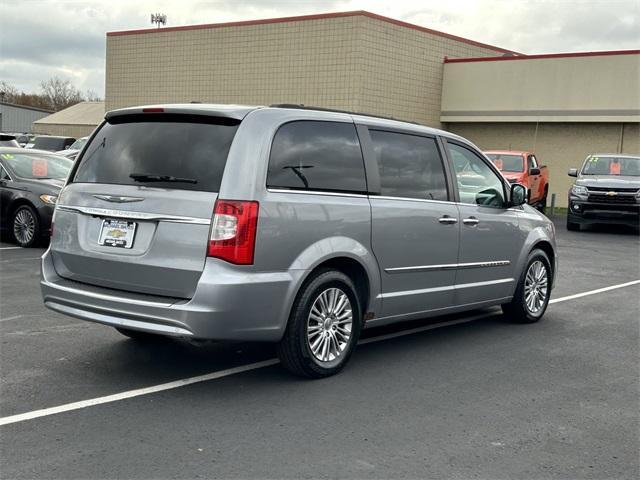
pixel 25 226
pixel 533 291
pixel 138 335
pixel 323 328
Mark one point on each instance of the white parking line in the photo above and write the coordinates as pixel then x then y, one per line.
pixel 593 292
pixel 9 248
pixel 255 366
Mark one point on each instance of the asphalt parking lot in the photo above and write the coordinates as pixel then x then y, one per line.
pixel 475 399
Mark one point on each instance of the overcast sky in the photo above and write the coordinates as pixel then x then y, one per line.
pixel 42 38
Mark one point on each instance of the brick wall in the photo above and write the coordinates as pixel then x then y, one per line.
pixel 351 62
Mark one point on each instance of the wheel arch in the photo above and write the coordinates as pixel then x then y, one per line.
pixel 353 269
pixel 547 248
pixel 19 202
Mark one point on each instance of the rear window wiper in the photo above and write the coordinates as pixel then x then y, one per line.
pixel 150 177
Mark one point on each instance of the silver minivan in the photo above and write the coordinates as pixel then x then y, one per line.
pixel 288 224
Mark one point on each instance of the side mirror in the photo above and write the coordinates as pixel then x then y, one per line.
pixel 534 171
pixel 518 194
pixel 573 172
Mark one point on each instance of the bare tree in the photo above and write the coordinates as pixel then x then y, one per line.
pixel 92 96
pixel 60 93
pixel 8 93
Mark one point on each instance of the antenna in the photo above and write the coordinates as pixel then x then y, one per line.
pixel 159 19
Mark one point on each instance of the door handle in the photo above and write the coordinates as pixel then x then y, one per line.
pixel 471 221
pixel 447 220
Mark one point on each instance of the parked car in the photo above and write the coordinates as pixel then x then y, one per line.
pixel 287 225
pixel 523 167
pixel 7 140
pixel 52 143
pixel 73 151
pixel 606 190
pixel 21 138
pixel 30 181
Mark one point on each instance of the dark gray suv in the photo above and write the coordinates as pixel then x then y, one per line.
pixel 288 225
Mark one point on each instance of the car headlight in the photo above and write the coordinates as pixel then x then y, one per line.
pixel 50 199
pixel 579 190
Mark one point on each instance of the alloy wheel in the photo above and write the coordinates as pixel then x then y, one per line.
pixel 329 326
pixel 536 287
pixel 24 226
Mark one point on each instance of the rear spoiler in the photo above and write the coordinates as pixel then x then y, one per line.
pixel 235 112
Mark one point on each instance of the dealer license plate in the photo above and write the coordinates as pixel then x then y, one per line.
pixel 117 233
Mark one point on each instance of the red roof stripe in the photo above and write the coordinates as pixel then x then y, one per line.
pixel 546 55
pixel 311 17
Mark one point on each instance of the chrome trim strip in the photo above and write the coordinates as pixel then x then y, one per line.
pixel 102 296
pixel 105 212
pixel 449 266
pixel 317 192
pixel 409 199
pixel 443 289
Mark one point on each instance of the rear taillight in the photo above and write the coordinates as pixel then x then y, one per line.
pixel 233 231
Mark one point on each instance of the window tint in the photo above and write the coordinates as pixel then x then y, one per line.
pixel 410 166
pixel 507 163
pixel 51 143
pixel 38 165
pixel 310 155
pixel 477 183
pixel 153 146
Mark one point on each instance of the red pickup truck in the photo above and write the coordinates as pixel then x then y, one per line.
pixel 523 167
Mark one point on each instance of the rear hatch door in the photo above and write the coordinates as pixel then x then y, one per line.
pixel 136 212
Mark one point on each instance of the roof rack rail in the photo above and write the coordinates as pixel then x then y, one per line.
pixel 300 106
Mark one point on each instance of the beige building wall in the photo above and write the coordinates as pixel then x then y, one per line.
pixel 546 88
pixel 560 146
pixel 64 130
pixel 357 61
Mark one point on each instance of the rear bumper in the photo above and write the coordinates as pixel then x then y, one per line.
pixel 228 304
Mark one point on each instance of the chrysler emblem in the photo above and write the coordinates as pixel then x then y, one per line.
pixel 116 199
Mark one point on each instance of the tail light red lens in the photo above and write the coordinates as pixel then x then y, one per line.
pixel 233 231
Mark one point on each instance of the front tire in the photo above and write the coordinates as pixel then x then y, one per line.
pixel 542 205
pixel 573 227
pixel 323 328
pixel 25 226
pixel 532 294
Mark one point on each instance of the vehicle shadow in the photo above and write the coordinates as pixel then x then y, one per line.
pixel 560 223
pixel 134 364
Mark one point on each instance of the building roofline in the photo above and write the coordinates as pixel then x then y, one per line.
pixel 26 107
pixel 541 56
pixel 322 16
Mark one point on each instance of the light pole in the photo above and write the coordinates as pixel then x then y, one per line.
pixel 159 19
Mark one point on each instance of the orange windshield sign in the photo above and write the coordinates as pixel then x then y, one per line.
pixel 614 168
pixel 39 167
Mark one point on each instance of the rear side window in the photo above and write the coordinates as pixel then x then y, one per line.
pixel 410 166
pixel 184 152
pixel 311 155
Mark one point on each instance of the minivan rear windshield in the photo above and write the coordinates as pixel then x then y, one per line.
pixel 186 152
